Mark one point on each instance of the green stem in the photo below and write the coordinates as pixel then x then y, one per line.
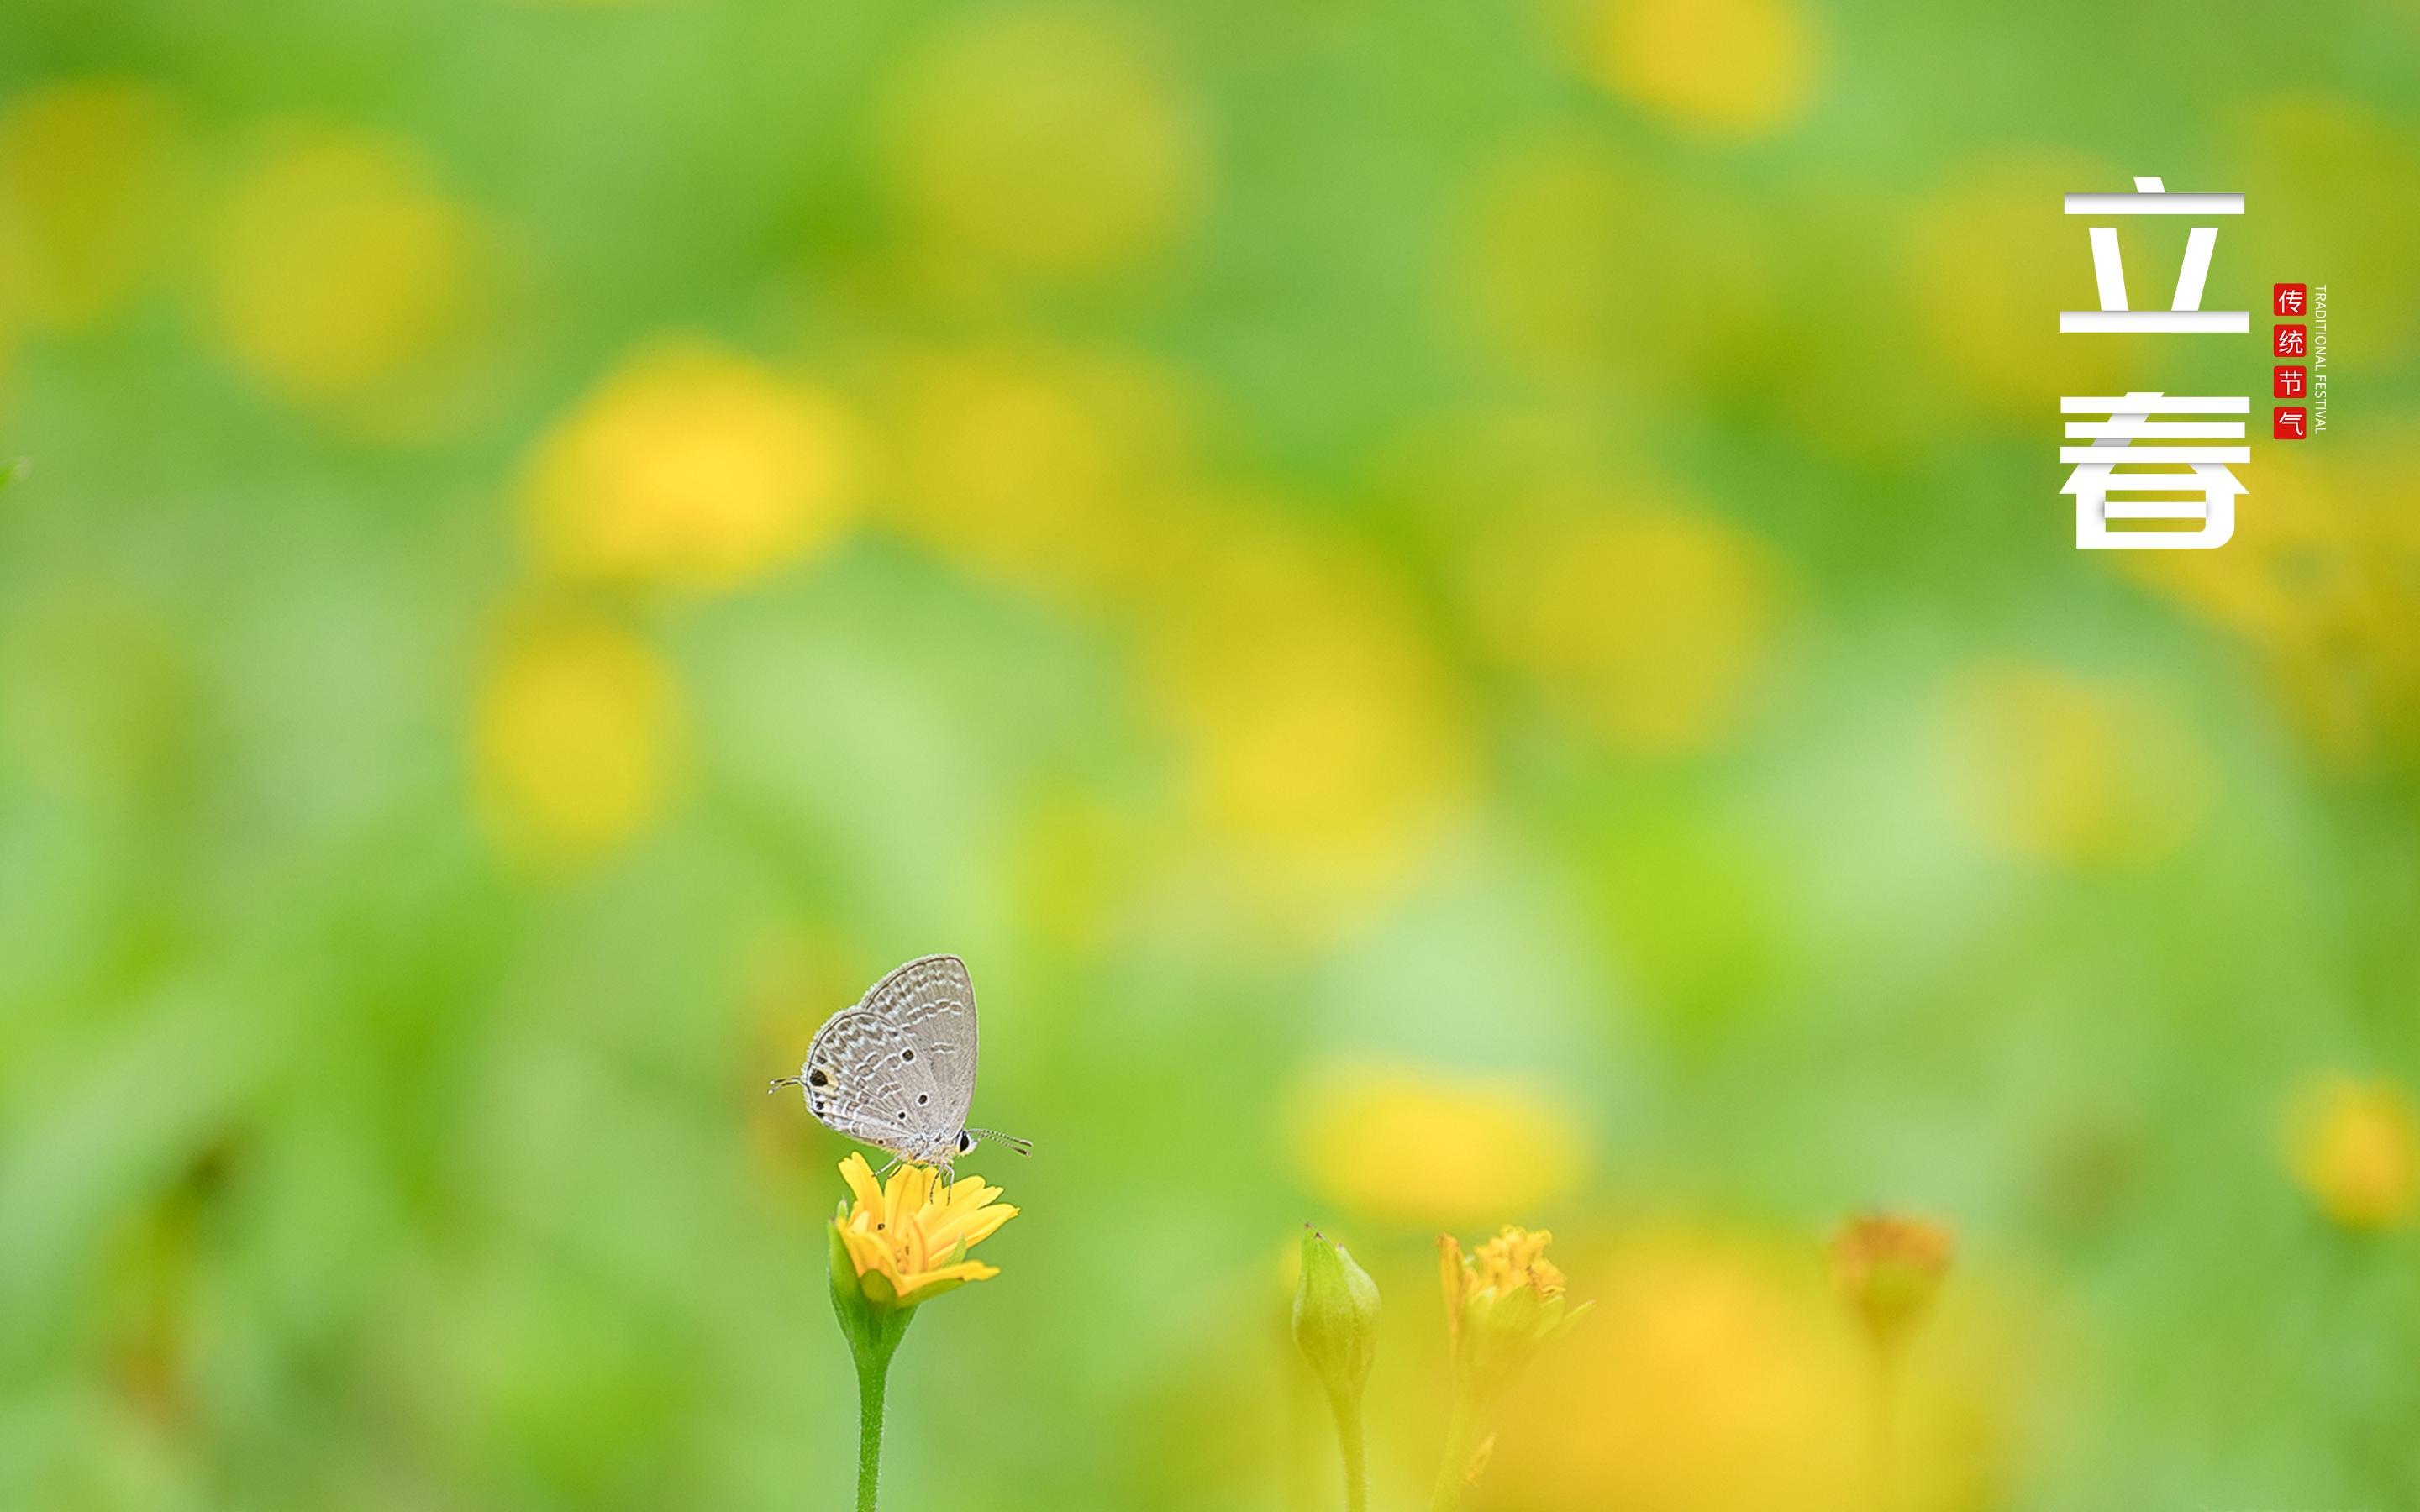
pixel 873 1375
pixel 1357 1459
pixel 1885 1426
pixel 1461 1442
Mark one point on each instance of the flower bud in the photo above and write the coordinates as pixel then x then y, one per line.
pixel 1889 1270
pixel 1335 1317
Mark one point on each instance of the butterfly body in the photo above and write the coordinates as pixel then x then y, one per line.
pixel 897 1071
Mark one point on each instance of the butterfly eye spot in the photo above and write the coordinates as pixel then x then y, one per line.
pixel 906 1054
pixel 922 1097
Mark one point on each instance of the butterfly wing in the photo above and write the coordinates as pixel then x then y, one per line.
pixel 932 1002
pixel 865 1077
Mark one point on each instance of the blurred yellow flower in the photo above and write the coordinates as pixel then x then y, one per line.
pixel 1731 67
pixel 2301 158
pixel 2055 767
pixel 694 467
pixel 1330 747
pixel 1711 1384
pixel 1046 140
pixel 1050 470
pixel 1420 1148
pixel 909 1240
pixel 337 262
pixel 1716 1376
pixel 1562 268
pixel 2317 583
pixel 1653 628
pixel 1991 262
pixel 2355 1147
pixel 1889 1270
pixel 1075 866
pixel 85 177
pixel 576 738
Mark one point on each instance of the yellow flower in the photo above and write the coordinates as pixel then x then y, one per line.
pixel 1558 227
pixel 1654 627
pixel 695 467
pixel 1330 744
pixel 86 170
pixel 1414 1147
pixel 2355 1147
pixel 1046 141
pixel 577 739
pixel 1890 1268
pixel 1052 470
pixel 2076 770
pixel 907 1240
pixel 2316 583
pixel 338 262
pixel 1729 67
pixel 1476 1284
pixel 1502 1302
pixel 1984 265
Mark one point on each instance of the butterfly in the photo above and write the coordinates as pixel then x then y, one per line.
pixel 897 1072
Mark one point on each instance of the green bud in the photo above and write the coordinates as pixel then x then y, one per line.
pixel 1335 1317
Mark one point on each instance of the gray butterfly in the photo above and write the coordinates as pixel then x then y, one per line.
pixel 897 1072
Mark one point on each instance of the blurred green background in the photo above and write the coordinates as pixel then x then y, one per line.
pixel 1462 610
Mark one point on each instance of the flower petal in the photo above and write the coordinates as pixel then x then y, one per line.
pixel 859 1177
pixel 921 1285
pixel 1450 1273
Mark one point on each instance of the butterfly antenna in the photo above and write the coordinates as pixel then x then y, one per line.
pixel 780 1081
pixel 1023 1147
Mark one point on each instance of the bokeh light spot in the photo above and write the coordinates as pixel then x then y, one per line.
pixel 577 736
pixel 337 262
pixel 1328 747
pixel 694 466
pixel 1653 628
pixel 2056 767
pixel 1048 141
pixel 1422 1148
pixel 85 179
pixel 1731 67
pixel 2354 1145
